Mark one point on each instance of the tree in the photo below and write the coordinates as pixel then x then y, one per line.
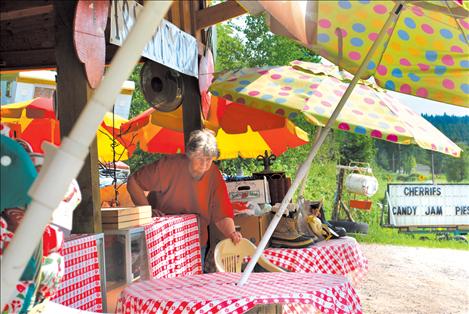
pixel 457 169
pixel 355 148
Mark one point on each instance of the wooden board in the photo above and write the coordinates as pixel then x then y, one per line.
pixel 126 224
pixel 123 218
pixel 122 211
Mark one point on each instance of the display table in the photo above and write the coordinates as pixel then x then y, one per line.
pixel 339 257
pixel 173 246
pixel 219 293
pixel 80 287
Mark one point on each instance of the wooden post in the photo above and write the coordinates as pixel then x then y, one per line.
pixel 191 112
pixel 72 95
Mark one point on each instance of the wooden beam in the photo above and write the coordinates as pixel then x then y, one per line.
pixel 191 113
pixel 72 95
pixel 23 13
pixel 218 13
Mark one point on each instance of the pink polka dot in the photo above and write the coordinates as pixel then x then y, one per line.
pixel 399 129
pixel 324 23
pixel 304 77
pixel 422 92
pixel 382 70
pixel 464 23
pixel 283 94
pixel 448 84
pixel 433 146
pixel 456 49
pixel 405 88
pixel 354 55
pixel 262 72
pixel 447 59
pixel 427 29
pixel 306 108
pixel 280 112
pixel 372 36
pixel 376 134
pixel 232 79
pixel 286 88
pixel 313 86
pixel 382 103
pixel 241 100
pixel 317 94
pixel 341 31
pixel 369 101
pixel 326 103
pixel 228 96
pixel 276 76
pixel 392 137
pixel 380 9
pixel 338 92
pixel 404 62
pixel 254 93
pixel 357 112
pixel 389 31
pixel 417 11
pixel 344 126
pixel 423 67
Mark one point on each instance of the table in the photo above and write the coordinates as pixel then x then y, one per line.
pixel 339 257
pixel 80 287
pixel 219 293
pixel 173 246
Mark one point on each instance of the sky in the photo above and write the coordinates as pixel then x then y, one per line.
pixel 431 107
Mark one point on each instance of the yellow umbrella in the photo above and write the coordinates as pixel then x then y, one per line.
pixel 109 147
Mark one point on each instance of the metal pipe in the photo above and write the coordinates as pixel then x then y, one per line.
pixel 64 163
pixel 302 171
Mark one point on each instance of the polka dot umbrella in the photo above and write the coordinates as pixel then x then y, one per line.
pixel 316 89
pixel 424 50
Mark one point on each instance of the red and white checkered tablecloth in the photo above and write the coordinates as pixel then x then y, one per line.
pixel 339 257
pixel 80 287
pixel 173 246
pixel 219 293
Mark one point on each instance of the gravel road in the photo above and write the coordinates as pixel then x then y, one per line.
pixel 415 280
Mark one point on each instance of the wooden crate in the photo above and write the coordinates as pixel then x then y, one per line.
pixel 126 217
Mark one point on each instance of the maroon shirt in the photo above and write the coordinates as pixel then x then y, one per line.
pixel 175 192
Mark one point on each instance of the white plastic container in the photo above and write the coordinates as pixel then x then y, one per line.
pixel 361 184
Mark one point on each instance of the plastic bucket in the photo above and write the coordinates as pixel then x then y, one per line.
pixel 361 184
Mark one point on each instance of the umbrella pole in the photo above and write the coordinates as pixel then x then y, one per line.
pixel 64 163
pixel 303 170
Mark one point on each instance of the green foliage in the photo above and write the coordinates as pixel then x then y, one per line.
pixel 139 104
pixel 355 148
pixel 457 169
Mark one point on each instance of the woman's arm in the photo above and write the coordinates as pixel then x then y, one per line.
pixel 227 227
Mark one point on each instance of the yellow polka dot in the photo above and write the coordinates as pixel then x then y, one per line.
pixel 420 40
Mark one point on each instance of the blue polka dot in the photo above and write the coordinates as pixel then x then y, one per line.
pixel 403 34
pixel 280 100
pixel 319 110
pixel 357 42
pixel 446 33
pixel 310 93
pixel 360 130
pixel 409 22
pixel 414 77
pixel 461 38
pixel 431 55
pixel 364 1
pixel 289 80
pixel 396 72
pixel 358 27
pixel 266 96
pixel 465 88
pixel 323 38
pixel 345 4
pixel 215 93
pixel 465 64
pixel 239 89
pixel 244 82
pixel 299 91
pixel 371 65
pixel 440 70
pixel 390 85
pixel 292 115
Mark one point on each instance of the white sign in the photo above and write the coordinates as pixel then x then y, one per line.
pixel 169 45
pixel 421 205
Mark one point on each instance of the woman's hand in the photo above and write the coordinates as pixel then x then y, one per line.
pixel 157 212
pixel 235 236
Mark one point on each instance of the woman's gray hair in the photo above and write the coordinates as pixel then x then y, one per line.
pixel 202 141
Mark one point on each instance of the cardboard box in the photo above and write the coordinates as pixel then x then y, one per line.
pixel 119 218
pixel 251 227
pixel 256 191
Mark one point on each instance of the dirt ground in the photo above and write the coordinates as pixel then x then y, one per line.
pixel 415 280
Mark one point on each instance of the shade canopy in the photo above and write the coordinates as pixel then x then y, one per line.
pixel 315 90
pixel 425 53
